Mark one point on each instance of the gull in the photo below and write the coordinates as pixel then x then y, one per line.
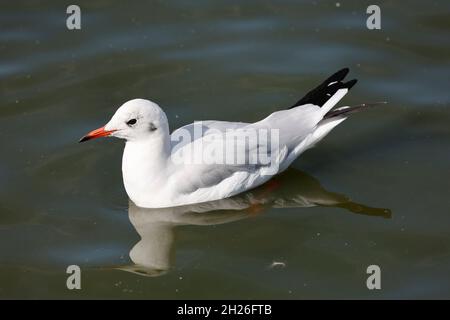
pixel 158 170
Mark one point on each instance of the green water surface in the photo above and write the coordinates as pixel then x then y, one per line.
pixel 375 191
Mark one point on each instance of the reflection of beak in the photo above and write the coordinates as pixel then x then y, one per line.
pixel 97 133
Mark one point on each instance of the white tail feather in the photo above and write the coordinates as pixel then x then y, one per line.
pixel 333 100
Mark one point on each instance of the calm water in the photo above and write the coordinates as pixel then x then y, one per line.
pixel 376 191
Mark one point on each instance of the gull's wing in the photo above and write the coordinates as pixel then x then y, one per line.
pixel 222 176
pixel 178 137
pixel 298 128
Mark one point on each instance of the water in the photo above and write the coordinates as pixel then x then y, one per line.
pixel 63 203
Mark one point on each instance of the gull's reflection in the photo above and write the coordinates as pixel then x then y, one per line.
pixel 152 255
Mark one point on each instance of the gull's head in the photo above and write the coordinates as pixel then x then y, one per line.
pixel 135 120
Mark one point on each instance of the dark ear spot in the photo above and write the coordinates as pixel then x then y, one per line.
pixel 152 127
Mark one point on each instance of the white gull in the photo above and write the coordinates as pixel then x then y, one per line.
pixel 156 170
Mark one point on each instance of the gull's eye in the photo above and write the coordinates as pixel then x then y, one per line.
pixel 131 122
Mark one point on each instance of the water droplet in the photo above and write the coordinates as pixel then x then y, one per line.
pixel 277 264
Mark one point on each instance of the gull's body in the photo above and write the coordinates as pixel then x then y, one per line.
pixel 153 179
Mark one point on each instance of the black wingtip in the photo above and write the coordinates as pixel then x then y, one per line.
pixel 338 76
pixel 350 84
pixel 326 89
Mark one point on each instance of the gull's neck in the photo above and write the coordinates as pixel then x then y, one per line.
pixel 145 166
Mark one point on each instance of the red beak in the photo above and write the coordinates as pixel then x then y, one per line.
pixel 97 133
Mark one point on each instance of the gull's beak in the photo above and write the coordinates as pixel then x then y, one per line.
pixel 97 133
